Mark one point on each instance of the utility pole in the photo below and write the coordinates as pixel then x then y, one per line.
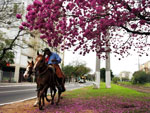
pixel 97 73
pixel 138 63
pixel 108 73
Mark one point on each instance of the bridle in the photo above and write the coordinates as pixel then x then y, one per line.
pixel 29 71
pixel 40 66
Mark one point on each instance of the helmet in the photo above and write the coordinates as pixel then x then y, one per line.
pixel 46 49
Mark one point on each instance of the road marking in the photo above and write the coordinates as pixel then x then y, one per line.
pixel 16 91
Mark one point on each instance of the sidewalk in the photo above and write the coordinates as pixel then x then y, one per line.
pixel 30 83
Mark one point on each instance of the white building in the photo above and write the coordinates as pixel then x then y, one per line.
pixel 145 67
pixel 26 50
pixel 125 74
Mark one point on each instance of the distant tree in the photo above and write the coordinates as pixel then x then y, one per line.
pixel 90 77
pixel 68 71
pixel 139 77
pixel 102 75
pixel 148 77
pixel 76 69
pixel 80 70
pixel 116 79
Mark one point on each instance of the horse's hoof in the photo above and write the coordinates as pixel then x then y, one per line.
pixel 34 105
pixel 41 108
pixel 48 100
pixel 52 103
pixel 61 97
pixel 57 104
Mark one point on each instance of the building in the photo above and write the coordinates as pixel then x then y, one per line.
pixel 26 46
pixel 125 75
pixel 145 67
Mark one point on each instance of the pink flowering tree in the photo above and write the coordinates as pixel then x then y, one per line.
pixel 92 25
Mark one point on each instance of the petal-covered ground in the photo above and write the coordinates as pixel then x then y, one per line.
pixel 103 104
pixel 117 99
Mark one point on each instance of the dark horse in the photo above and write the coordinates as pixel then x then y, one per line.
pixel 29 72
pixel 45 78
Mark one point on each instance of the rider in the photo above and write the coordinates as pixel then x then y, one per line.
pixel 53 59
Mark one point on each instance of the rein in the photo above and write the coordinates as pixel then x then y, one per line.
pixel 45 70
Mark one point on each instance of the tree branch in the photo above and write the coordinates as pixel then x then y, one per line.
pixel 10 46
pixel 137 14
pixel 135 32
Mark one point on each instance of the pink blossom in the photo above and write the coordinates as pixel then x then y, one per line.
pixel 134 26
pixel 18 16
pixel 25 24
pixel 99 9
pixel 70 6
pixel 135 10
pixel 21 27
pixel 48 1
pixel 87 21
pixel 29 7
pixel 43 36
pixel 37 2
pixel 142 22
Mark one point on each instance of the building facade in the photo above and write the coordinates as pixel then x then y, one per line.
pixel 145 67
pixel 125 75
pixel 26 47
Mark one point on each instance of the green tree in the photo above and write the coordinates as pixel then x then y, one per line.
pixel 9 55
pixel 102 71
pixel 68 71
pixel 80 70
pixel 139 77
pixel 90 77
pixel 115 80
pixel 76 70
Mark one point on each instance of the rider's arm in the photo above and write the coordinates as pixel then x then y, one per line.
pixel 58 59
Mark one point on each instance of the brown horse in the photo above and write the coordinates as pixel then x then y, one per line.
pixel 29 72
pixel 46 77
pixel 29 69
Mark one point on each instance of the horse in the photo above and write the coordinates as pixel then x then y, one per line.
pixel 46 77
pixel 29 69
pixel 29 72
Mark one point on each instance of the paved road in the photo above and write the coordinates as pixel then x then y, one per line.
pixel 14 93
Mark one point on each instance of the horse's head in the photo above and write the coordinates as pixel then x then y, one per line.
pixel 39 62
pixel 29 69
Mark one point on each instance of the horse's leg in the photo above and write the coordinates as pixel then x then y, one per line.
pixel 40 95
pixel 53 89
pixel 37 99
pixel 46 96
pixel 59 95
pixel 52 101
pixel 43 95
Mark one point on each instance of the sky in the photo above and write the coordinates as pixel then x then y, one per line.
pixel 129 63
